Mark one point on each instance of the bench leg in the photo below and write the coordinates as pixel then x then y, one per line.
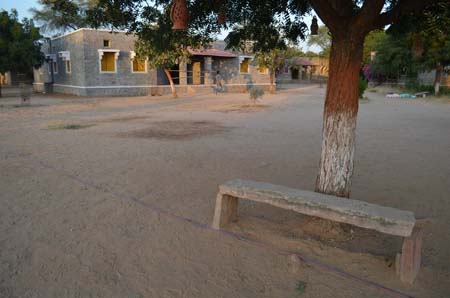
pixel 408 262
pixel 225 212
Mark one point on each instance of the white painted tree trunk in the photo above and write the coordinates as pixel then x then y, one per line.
pixel 338 148
pixel 437 79
pixel 340 113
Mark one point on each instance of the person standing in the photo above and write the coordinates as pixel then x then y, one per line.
pixel 218 83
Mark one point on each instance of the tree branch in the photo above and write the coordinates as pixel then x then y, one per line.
pixel 326 13
pixel 369 12
pixel 398 10
pixel 344 8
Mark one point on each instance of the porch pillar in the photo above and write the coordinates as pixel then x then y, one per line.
pixel 182 73
pixel 208 71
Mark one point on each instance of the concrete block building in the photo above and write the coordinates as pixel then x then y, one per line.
pixel 89 62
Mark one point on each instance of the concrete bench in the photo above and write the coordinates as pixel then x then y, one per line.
pixel 358 213
pixel 422 94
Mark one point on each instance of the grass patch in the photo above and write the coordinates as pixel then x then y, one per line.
pixel 176 130
pixel 62 126
pixel 301 287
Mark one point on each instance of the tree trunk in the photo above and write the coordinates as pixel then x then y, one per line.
pixel 437 79
pixel 172 86
pixel 272 81
pixel 339 116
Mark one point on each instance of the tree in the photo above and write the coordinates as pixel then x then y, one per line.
pixel 322 40
pixel 393 58
pixel 152 25
pixel 428 35
pixel 349 22
pixel 270 60
pixel 62 15
pixel 269 51
pixel 371 44
pixel 19 47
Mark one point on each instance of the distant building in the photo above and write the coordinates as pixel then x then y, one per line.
pixel 89 62
pixel 300 69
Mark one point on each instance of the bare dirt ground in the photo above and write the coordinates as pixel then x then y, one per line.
pixel 113 197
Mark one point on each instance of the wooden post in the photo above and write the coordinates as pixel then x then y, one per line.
pixel 225 212
pixel 408 262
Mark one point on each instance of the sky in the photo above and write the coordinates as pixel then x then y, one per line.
pixel 23 6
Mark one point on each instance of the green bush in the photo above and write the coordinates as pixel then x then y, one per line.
pixel 255 93
pixel 413 86
pixel 362 87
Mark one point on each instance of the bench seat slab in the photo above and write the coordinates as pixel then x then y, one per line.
pixel 383 219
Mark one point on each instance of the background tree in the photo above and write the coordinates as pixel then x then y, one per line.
pixel 371 44
pixel 393 58
pixel 269 51
pixel 56 16
pixel 270 60
pixel 322 40
pixel 19 47
pixel 428 37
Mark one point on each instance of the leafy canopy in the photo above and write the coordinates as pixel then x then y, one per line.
pixel 19 46
pixel 394 55
pixel 322 40
pixel 151 23
pixel 61 15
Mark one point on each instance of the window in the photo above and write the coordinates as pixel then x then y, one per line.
pixel 243 68
pixel 54 65
pixel 107 60
pixel 106 43
pixel 244 63
pixel 139 65
pixel 262 69
pixel 68 66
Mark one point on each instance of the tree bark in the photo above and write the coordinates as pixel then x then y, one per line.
pixel 172 86
pixel 339 116
pixel 272 81
pixel 437 79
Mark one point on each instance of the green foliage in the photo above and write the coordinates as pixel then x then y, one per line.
pixel 282 21
pixel 393 58
pixel 255 93
pixel 62 15
pixel 19 46
pixel 322 40
pixel 270 60
pixel 70 126
pixel 301 287
pixel 362 87
pixel 371 44
pixel 151 23
pixel 394 55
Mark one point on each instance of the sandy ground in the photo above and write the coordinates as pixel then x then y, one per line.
pixel 121 207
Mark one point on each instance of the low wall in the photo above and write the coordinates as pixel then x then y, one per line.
pixel 143 90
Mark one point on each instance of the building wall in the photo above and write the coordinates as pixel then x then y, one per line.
pixel 234 80
pixel 427 78
pixel 86 79
pixel 93 41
